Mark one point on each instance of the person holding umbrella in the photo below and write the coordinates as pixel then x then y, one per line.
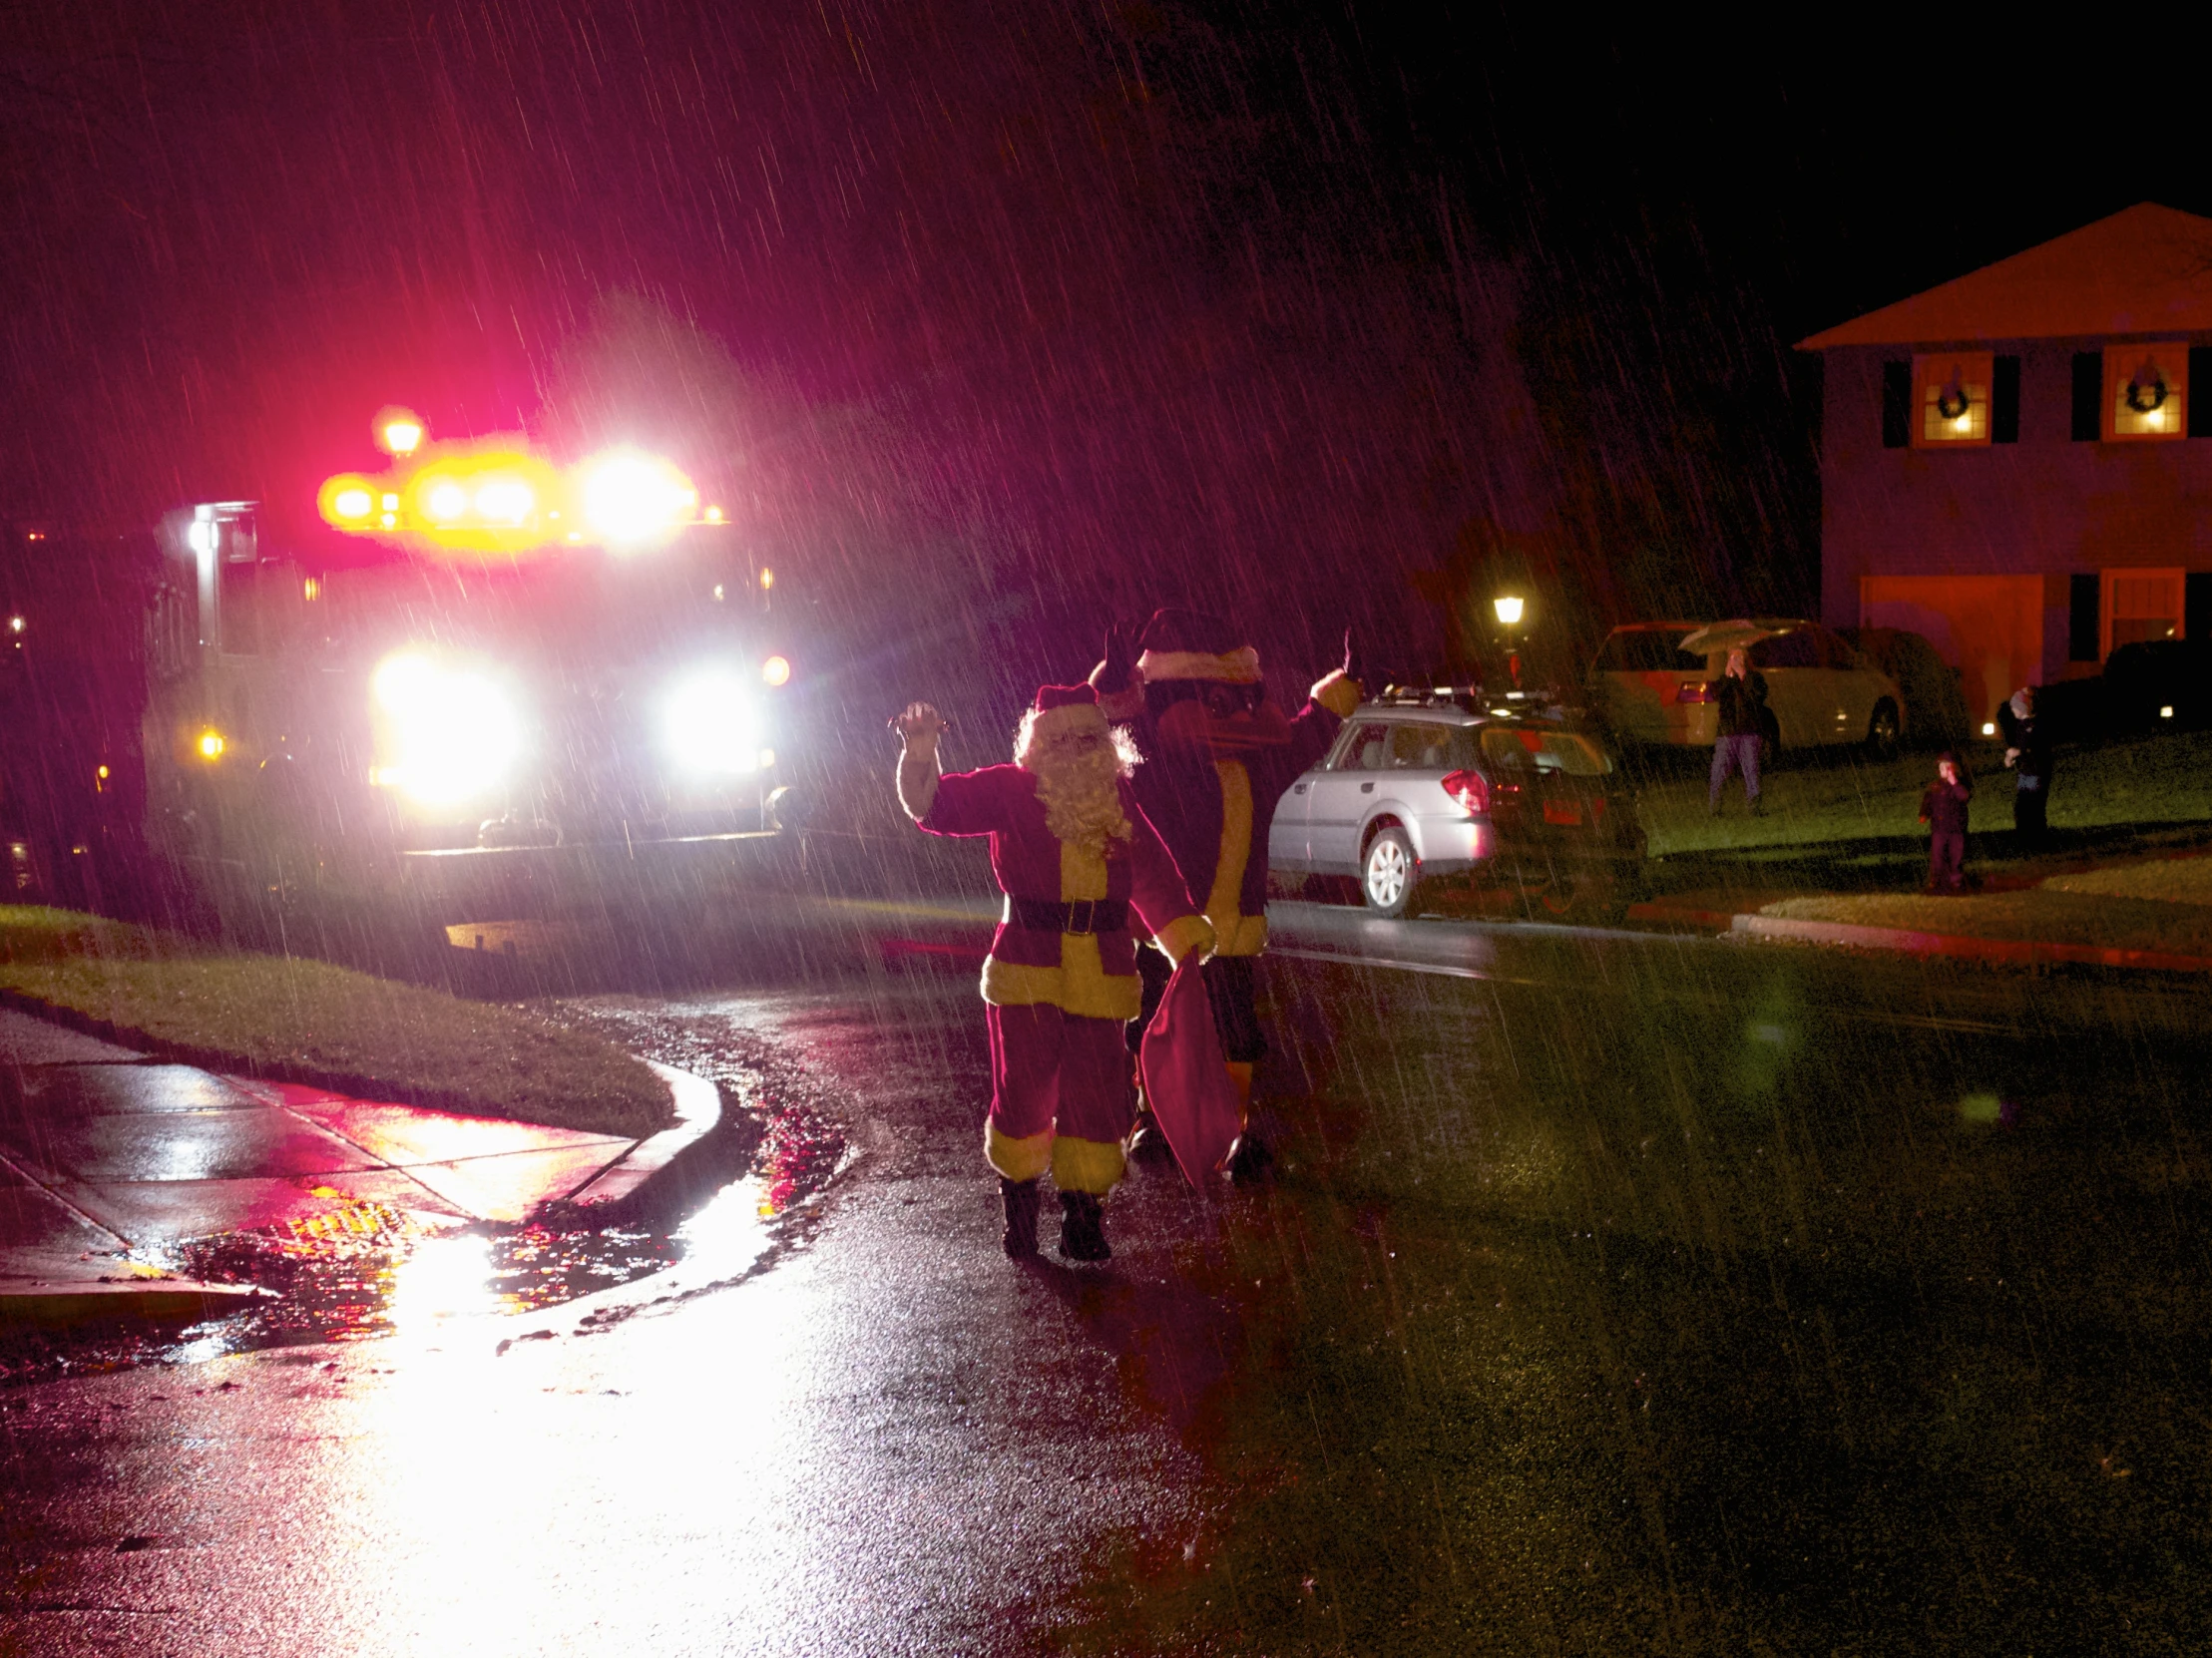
pixel 1739 696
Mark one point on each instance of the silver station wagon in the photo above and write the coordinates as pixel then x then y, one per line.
pixel 1429 789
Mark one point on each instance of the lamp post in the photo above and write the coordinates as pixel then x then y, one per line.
pixel 1510 609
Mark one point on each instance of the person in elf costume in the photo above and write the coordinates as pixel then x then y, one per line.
pixel 1217 755
pixel 1076 859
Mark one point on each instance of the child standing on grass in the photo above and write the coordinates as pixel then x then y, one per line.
pixel 1944 809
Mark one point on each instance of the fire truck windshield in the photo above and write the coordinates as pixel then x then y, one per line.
pixel 576 613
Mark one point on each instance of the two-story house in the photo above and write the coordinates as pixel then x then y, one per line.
pixel 2012 464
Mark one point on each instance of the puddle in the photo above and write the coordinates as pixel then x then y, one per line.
pixel 368 1272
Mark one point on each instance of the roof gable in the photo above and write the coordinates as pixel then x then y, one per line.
pixel 2145 271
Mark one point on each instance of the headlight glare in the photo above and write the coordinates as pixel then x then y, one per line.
pixel 708 723
pixel 447 733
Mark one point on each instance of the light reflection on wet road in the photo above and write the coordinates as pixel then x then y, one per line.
pixel 857 1430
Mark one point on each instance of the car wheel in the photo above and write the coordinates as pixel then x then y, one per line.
pixel 1884 731
pixel 1390 875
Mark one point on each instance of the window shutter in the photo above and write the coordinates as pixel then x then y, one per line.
pixel 2196 604
pixel 2004 401
pixel 2200 374
pixel 2088 411
pixel 2083 600
pixel 1897 405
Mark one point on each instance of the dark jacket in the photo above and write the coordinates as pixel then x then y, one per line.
pixel 2028 736
pixel 1740 702
pixel 1944 807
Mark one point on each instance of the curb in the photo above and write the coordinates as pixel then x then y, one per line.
pixel 2017 952
pixel 154 1300
pixel 1668 915
pixel 637 1177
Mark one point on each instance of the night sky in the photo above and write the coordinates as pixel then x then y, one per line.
pixel 1013 316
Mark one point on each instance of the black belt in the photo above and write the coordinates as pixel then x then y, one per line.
pixel 1086 915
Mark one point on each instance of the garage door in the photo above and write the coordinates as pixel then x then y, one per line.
pixel 1989 627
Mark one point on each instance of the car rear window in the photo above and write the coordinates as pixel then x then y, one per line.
pixel 1646 651
pixel 1798 649
pixel 1431 747
pixel 1513 749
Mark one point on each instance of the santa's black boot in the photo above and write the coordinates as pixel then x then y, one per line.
pixel 1018 1198
pixel 1082 1227
pixel 1146 1145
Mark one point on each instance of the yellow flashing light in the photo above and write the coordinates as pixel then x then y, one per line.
pixel 211 744
pixel 488 501
pixel 776 670
pixel 347 501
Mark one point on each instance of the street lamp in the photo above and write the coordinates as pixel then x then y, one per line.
pixel 399 431
pixel 1510 609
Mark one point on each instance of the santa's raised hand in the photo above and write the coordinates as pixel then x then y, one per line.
pixel 919 725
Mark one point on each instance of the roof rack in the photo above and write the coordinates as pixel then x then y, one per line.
pixel 1474 700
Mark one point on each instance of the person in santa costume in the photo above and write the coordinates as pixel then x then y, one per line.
pixel 1077 860
pixel 1217 756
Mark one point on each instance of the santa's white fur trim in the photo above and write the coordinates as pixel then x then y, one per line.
pixel 1068 718
pixel 1237 667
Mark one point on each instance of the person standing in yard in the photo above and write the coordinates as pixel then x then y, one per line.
pixel 1076 858
pixel 1944 809
pixel 2028 752
pixel 1739 696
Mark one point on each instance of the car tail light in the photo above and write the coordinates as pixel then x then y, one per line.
pixel 1470 788
pixel 1692 690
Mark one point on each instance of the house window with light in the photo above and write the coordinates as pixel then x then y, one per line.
pixel 1950 396
pixel 2147 390
pixel 2141 604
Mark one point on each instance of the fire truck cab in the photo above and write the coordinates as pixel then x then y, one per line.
pixel 371 718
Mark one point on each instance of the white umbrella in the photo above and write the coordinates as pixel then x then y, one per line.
pixel 1727 636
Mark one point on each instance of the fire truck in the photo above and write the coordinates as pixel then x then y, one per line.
pixel 487 680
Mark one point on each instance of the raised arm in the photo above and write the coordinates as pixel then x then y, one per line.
pixel 1156 889
pixel 919 727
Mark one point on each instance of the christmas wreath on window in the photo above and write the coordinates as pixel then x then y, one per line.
pixel 1951 401
pixel 2147 389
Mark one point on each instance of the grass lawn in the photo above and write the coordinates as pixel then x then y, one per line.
pixel 1645 1316
pixel 2162 780
pixel 294 1018
pixel 2173 880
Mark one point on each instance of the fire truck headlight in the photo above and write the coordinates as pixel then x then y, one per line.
pixel 449 734
pixel 710 725
pixel 445 501
pixel 630 498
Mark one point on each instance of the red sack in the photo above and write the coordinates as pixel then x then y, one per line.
pixel 1187 1081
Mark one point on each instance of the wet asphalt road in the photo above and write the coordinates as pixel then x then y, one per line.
pixel 856 1431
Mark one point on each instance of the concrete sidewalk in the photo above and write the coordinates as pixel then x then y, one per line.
pixel 106 1153
pixel 1739 915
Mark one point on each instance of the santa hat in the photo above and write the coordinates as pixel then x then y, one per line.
pixel 1064 710
pixel 1191 644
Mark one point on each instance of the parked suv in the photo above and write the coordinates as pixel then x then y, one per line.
pixel 1649 677
pixel 1423 788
